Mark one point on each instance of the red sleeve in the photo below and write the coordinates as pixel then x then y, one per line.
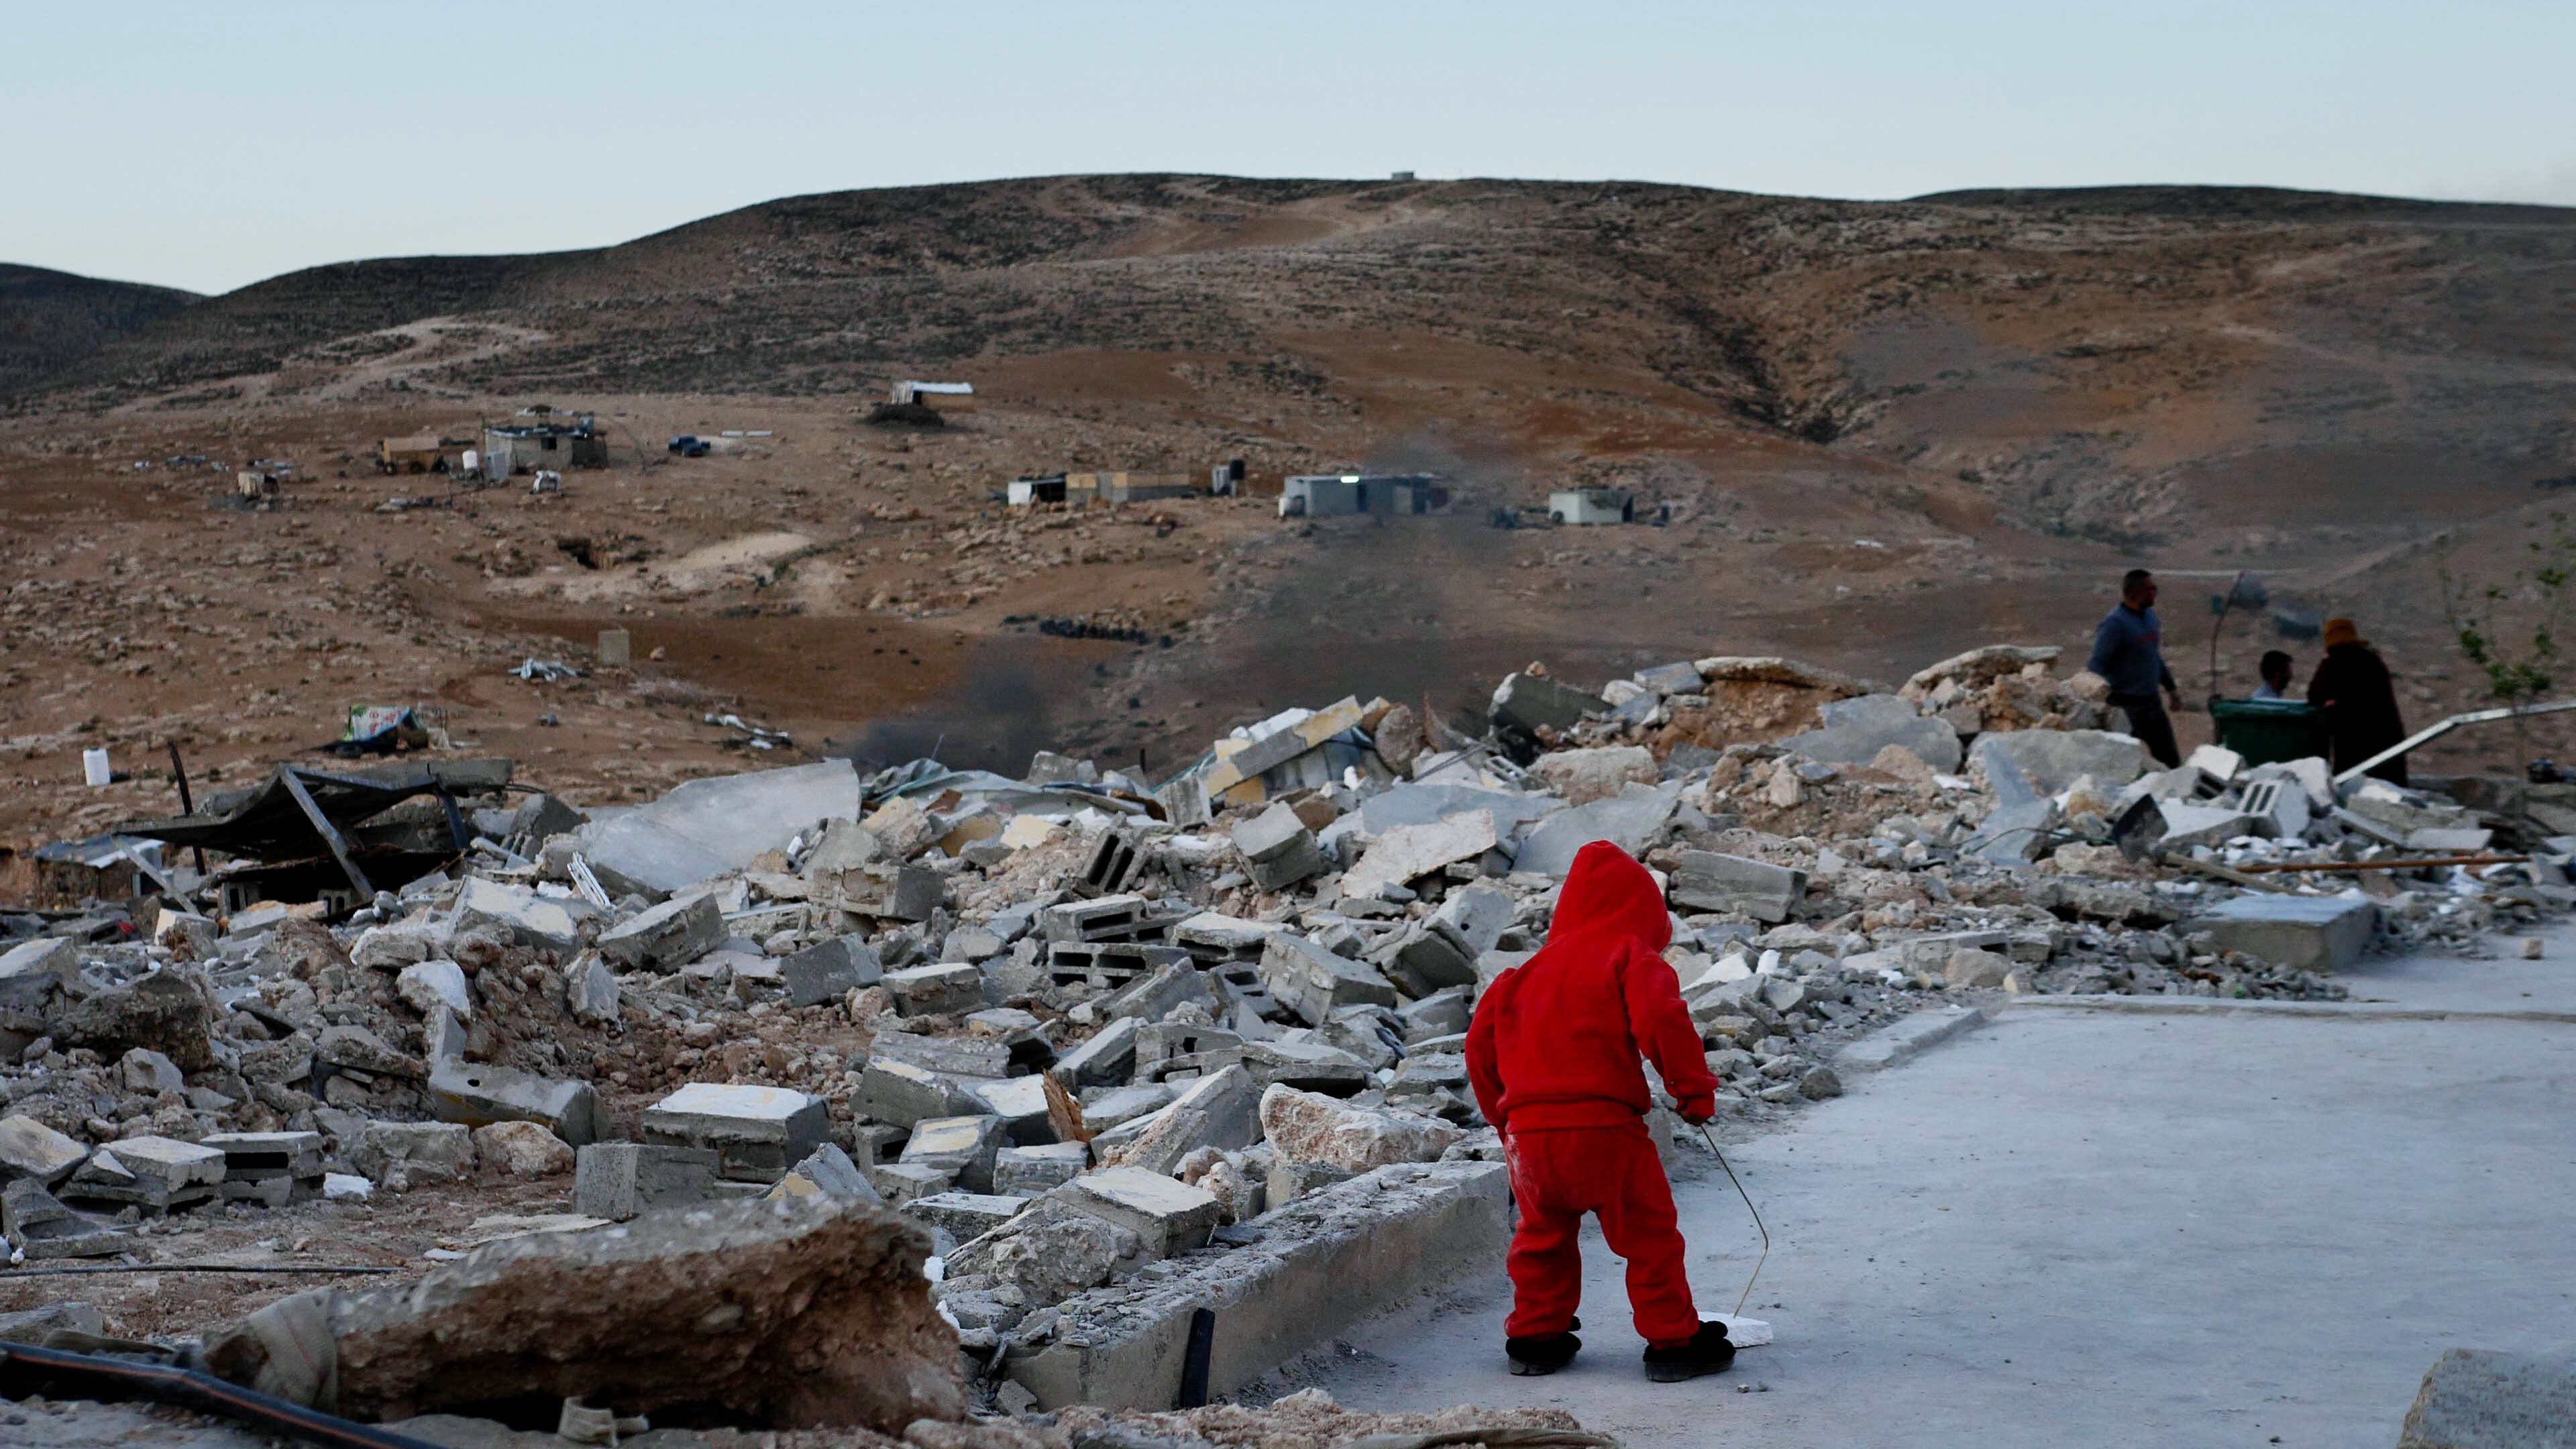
pixel 1484 1066
pixel 1665 1032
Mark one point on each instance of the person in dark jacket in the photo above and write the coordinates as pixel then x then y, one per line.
pixel 2128 652
pixel 2353 687
pixel 1553 1056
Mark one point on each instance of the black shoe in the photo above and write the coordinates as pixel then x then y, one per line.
pixel 1545 1354
pixel 1708 1352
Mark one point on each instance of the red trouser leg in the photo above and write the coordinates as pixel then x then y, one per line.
pixel 1545 1261
pixel 1638 1220
pixel 1557 1177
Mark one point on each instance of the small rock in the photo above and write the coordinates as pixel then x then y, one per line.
pixel 522 1149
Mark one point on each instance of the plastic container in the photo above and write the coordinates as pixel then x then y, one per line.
pixel 94 766
pixel 2266 730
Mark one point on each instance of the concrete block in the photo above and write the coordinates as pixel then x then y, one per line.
pixel 830 970
pixel 897 1091
pixel 666 937
pixel 152 1172
pixel 40 1227
pixel 1308 1066
pixel 2479 1399
pixel 1278 850
pixel 1120 918
pixel 1167 1215
pixel 1029 1171
pixel 1325 1262
pixel 1021 1104
pixel 1704 880
pixel 1155 996
pixel 956 1056
pixel 2022 764
pixel 937 989
pixel 30 1149
pixel 2307 933
pixel 827 1172
pixel 1908 1037
pixel 964 1216
pixel 2187 825
pixel 425 986
pixel 291 1161
pixel 898 1183
pixel 1312 982
pixel 1110 1056
pixel 477 1093
pixel 528 918
pixel 963 1147
pixel 1115 1107
pixel 1290 1180
pixel 1527 703
pixel 756 1132
pixel 1230 1099
pixel 1424 960
pixel 618 1180
pixel 590 990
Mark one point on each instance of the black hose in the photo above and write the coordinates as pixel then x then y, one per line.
pixel 25 1370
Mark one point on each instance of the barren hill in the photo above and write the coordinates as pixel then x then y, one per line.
pixel 50 320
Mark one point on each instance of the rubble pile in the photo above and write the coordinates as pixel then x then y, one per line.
pixel 1121 1054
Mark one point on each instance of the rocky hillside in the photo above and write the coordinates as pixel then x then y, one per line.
pixel 2114 364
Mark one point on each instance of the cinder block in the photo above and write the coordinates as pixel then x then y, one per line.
pixel 1169 1215
pixel 1029 1171
pixel 755 1132
pixel 2306 933
pixel 1311 981
pixel 1704 880
pixel 478 1093
pixel 964 1215
pixel 829 971
pixel 618 1180
pixel 938 989
pixel 902 1182
pixel 963 1146
pixel 1110 1056
pixel 896 1091
pixel 1278 850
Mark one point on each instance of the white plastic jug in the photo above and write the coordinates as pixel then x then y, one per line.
pixel 94 765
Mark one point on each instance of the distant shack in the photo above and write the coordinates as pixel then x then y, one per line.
pixel 528 447
pixel 939 397
pixel 1329 495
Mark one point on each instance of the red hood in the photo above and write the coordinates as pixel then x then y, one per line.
pixel 1608 893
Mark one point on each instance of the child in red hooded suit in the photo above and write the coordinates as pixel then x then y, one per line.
pixel 1553 1056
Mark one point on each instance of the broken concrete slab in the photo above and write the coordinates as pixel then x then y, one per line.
pixel 2476 1398
pixel 1230 1099
pixel 30 1149
pixel 1625 820
pixel 2187 825
pixel 666 937
pixel 1583 776
pixel 756 1132
pixel 526 917
pixel 2304 933
pixel 1108 1057
pixel 619 1180
pixel 1704 880
pixel 2019 764
pixel 1021 1104
pixel 705 828
pixel 425 986
pixel 1324 1262
pixel 39 1227
pixel 1307 1127
pixel 964 1216
pixel 1855 730
pixel 1408 852
pixel 479 1093
pixel 405 1155
pixel 798 1313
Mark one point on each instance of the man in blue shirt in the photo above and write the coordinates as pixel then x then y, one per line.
pixel 2128 652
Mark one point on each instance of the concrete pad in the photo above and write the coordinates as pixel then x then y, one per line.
pixel 2287 1217
pixel 2309 933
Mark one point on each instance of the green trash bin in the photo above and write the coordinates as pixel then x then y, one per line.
pixel 2266 730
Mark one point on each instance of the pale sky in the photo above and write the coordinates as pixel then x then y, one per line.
pixel 208 146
